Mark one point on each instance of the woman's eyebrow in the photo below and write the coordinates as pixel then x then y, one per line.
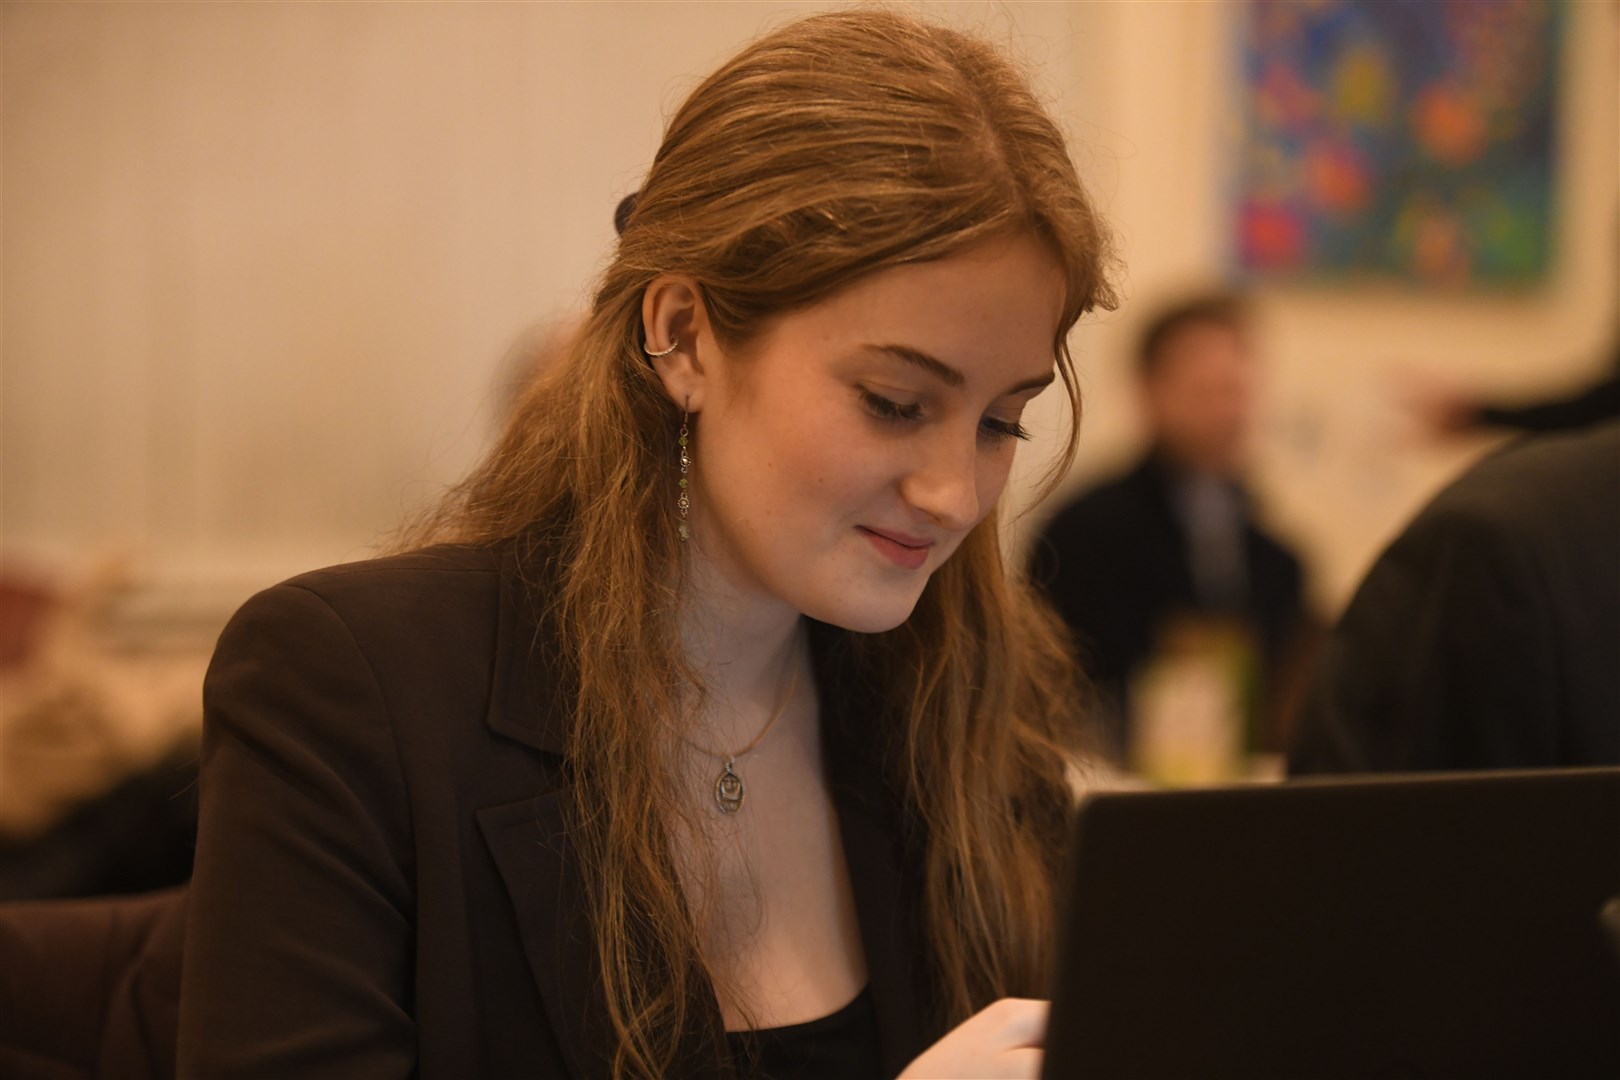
pixel 949 375
pixel 934 366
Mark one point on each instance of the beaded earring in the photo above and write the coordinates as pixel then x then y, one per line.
pixel 684 503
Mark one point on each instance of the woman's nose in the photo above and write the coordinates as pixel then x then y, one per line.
pixel 943 481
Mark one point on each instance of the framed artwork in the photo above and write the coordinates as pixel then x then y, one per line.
pixel 1398 139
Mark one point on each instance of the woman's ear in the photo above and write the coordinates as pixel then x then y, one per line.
pixel 675 326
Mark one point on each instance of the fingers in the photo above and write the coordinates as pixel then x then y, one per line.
pixel 1002 1040
pixel 1024 1064
pixel 1014 1022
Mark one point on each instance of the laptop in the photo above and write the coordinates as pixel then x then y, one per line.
pixel 1403 926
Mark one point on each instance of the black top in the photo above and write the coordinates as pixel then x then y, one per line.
pixel 844 1044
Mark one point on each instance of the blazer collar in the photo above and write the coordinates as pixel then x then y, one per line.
pixel 527 701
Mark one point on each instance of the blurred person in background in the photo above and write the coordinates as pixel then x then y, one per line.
pixel 1173 542
pixel 1487 636
pixel 527 360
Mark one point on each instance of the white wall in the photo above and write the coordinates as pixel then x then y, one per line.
pixel 261 261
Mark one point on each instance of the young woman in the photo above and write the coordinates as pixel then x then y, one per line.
pixel 704 732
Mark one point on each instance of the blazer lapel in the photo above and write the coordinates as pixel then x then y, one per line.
pixel 890 936
pixel 883 868
pixel 532 847
pixel 539 864
pixel 529 839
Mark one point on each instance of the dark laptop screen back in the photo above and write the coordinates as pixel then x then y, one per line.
pixel 1421 926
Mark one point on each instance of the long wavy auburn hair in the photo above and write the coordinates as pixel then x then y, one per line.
pixel 832 148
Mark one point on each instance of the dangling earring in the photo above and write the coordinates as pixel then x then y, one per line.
pixel 684 503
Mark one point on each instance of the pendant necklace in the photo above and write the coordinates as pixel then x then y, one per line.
pixel 729 790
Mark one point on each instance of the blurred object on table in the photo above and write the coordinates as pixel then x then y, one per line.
pixel 100 715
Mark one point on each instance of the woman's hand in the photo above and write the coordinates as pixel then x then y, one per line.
pixel 1002 1040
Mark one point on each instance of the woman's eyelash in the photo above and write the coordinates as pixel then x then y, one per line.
pixel 890 410
pixel 887 409
pixel 1003 429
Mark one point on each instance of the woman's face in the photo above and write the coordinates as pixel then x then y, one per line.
pixel 841 462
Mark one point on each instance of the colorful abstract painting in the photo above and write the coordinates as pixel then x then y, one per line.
pixel 1393 138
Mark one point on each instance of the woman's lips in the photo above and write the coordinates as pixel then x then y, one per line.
pixel 899 548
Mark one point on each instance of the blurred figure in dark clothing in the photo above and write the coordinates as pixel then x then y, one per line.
pixel 1596 403
pixel 1488 635
pixel 1445 412
pixel 1175 535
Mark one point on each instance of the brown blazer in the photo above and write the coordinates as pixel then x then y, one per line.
pixel 385 884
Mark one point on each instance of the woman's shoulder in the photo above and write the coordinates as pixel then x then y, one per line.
pixel 407 607
pixel 431 567
pixel 434 633
pixel 447 581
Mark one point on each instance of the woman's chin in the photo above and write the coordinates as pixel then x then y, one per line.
pixel 868 615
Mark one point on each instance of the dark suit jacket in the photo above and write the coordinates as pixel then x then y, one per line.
pixel 1593 404
pixel 1488 635
pixel 385 883
pixel 1115 563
